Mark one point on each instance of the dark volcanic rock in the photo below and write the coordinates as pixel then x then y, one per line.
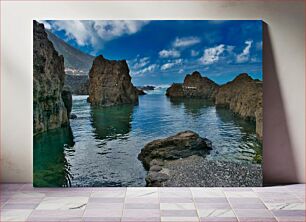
pixel 110 83
pixel 175 90
pixel 181 145
pixel 49 110
pixel 243 96
pixel 194 86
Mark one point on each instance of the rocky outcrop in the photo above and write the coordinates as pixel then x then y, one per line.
pixel 110 83
pixel 49 110
pixel 181 145
pixel 194 86
pixel 243 96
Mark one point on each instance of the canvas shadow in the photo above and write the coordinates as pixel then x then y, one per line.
pixel 279 165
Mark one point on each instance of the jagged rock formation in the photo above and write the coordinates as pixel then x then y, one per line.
pixel 243 96
pixel 110 83
pixel 49 110
pixel 194 86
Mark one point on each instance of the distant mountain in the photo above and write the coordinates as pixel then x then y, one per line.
pixel 76 61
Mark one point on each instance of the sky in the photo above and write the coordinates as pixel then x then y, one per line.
pixel 160 52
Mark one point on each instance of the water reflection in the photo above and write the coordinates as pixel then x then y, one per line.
pixel 192 106
pixel 112 122
pixel 249 148
pixel 50 150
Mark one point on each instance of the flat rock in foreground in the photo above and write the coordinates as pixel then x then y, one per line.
pixel 110 83
pixel 181 145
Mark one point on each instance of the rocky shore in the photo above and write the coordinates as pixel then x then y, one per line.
pixel 110 83
pixel 181 160
pixel 243 95
pixel 49 109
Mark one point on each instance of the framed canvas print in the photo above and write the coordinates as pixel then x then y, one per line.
pixel 172 103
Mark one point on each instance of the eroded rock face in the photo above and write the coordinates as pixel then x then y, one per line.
pixel 110 83
pixel 49 110
pixel 194 86
pixel 181 145
pixel 243 96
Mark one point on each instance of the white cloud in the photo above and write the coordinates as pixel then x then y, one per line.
pixel 147 69
pixel 96 32
pixel 140 63
pixel 170 64
pixel 211 55
pixel 245 55
pixel 169 53
pixel 46 24
pixel 186 41
pixel 194 53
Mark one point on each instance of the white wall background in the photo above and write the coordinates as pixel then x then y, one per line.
pixel 284 146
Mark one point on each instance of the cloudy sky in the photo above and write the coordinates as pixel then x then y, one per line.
pixel 162 52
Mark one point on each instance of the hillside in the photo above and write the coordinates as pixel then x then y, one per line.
pixel 76 61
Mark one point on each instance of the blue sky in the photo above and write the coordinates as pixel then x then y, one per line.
pixel 162 52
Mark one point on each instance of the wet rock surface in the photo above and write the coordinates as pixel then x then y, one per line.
pixel 181 145
pixel 110 83
pixel 49 110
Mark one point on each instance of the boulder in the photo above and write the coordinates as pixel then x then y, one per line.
pixel 110 83
pixel 49 110
pixel 181 145
pixel 194 86
pixel 243 96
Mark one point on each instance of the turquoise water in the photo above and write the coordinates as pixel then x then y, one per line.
pixel 102 145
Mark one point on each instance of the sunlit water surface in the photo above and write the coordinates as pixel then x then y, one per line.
pixel 102 146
